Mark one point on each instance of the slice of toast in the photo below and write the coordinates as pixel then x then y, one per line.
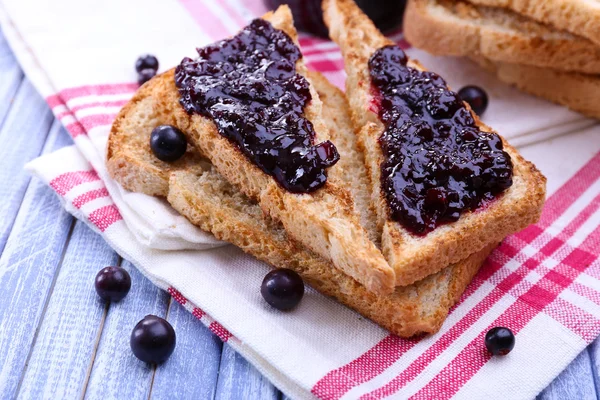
pixel 202 195
pixel 458 28
pixel 324 220
pixel 579 92
pixel 581 17
pixel 415 257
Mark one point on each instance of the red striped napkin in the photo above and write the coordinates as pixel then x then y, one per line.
pixel 543 283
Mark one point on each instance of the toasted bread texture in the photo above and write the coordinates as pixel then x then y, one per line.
pixel 415 257
pixel 581 17
pixel 458 28
pixel 201 194
pixel 325 220
pixel 579 92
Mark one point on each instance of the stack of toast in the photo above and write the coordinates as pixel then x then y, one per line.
pixel 550 49
pixel 339 237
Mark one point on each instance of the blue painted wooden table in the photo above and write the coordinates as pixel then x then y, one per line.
pixel 58 341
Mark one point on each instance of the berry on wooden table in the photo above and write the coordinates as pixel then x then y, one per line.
pixel 153 339
pixel 112 283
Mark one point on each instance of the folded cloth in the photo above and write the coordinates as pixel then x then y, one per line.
pixel 543 283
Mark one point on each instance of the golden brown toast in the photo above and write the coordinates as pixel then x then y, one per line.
pixel 415 257
pixel 458 28
pixel 201 194
pixel 581 17
pixel 579 92
pixel 324 220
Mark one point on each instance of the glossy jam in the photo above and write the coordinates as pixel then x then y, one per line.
pixel 249 87
pixel 437 163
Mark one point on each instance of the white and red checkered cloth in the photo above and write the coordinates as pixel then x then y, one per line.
pixel 543 283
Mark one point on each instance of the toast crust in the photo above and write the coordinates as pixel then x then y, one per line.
pixel 208 200
pixel 581 17
pixel 579 92
pixel 412 257
pixel 457 28
pixel 324 221
pixel 406 312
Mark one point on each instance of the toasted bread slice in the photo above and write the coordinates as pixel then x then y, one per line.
pixel 458 28
pixel 581 17
pixel 324 220
pixel 579 92
pixel 415 257
pixel 202 195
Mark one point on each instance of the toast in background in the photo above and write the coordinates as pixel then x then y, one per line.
pixel 581 17
pixel 201 194
pixel 458 28
pixel 415 257
pixel 324 220
pixel 579 92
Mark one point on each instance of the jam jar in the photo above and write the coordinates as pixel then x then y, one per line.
pixel 308 15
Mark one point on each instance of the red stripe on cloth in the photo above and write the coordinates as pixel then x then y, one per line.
pixel 198 313
pixel 75 129
pixel 83 125
pixel 66 95
pixel 93 121
pixel 54 101
pixel 554 208
pixel 325 65
pixel 86 197
pixel 513 284
pixel 105 217
pixel 470 360
pixel 115 103
pixel 220 331
pixel 373 362
pixel 67 181
pixel 584 324
pixel 176 294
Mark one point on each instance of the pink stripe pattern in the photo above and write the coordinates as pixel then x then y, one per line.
pixel 86 197
pixel 105 216
pixel 62 184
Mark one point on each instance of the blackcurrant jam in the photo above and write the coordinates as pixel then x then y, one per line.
pixel 308 15
pixel 437 162
pixel 248 85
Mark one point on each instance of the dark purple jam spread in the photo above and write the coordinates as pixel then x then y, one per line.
pixel 437 163
pixel 249 87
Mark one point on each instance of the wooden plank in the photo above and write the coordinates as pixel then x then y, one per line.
pixel 594 351
pixel 575 382
pixel 192 371
pixel 238 379
pixel 64 347
pixel 27 269
pixel 12 76
pixel 114 362
pixel 23 135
